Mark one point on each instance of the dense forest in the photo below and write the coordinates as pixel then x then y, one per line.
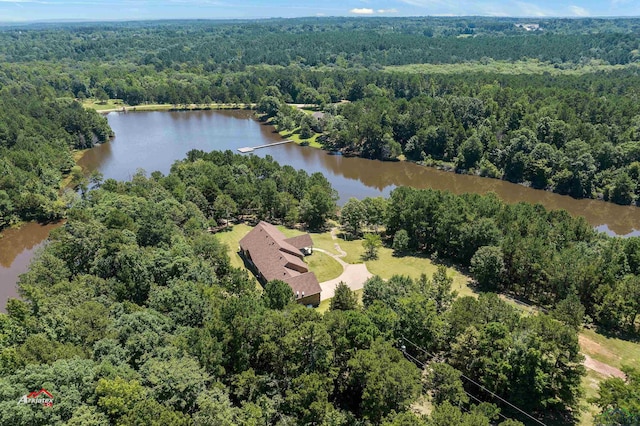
pixel 133 314
pixel 37 136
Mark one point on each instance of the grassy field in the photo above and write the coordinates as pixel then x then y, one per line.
pixel 295 136
pixel 111 104
pixel 610 350
pixel 118 105
pixel 231 239
pixel 388 265
pixel 506 67
pixel 325 267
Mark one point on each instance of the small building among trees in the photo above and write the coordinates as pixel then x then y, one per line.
pixel 273 256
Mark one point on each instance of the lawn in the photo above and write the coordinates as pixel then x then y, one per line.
pixel 325 267
pixel 388 265
pixel 611 350
pixel 231 238
pixel 117 104
pixel 101 106
pixel 295 136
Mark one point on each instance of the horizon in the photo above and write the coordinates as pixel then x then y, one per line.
pixel 51 11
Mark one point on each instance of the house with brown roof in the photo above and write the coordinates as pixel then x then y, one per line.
pixel 273 256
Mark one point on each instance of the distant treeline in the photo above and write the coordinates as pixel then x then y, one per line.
pixel 216 45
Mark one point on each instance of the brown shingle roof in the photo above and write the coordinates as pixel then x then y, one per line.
pixel 301 241
pixel 304 283
pixel 277 257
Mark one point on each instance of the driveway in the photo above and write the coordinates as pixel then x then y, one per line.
pixel 353 276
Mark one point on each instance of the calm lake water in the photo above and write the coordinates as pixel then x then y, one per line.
pixel 154 140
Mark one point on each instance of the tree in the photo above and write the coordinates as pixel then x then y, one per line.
pixel 277 294
pixel 343 299
pixel 176 382
pixel 79 181
pixel 224 206
pixel 618 399
pixel 308 398
pixel 101 95
pixel 445 384
pixel 117 397
pixel 317 206
pixel 375 212
pixel 487 266
pixel 623 188
pixel 442 294
pixel 305 131
pixel 371 244
pixel 570 311
pixel 400 242
pixel 383 381
pixel 352 215
pixel 470 153
pixel 269 105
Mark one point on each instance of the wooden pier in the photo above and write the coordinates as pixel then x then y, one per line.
pixel 253 148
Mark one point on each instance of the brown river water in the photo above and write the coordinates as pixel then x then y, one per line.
pixel 154 140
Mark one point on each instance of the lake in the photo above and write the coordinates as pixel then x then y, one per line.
pixel 154 140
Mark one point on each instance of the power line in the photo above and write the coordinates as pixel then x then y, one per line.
pixel 482 387
pixel 423 365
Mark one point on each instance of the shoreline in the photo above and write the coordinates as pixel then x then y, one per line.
pixel 442 166
pixel 171 107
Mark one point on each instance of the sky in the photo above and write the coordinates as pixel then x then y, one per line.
pixel 33 10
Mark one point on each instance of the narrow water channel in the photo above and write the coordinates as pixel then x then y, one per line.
pixel 154 140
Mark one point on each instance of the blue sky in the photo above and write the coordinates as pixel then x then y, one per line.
pixel 28 10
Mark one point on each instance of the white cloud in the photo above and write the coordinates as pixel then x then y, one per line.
pixel 387 10
pixel 529 9
pixel 423 3
pixel 362 11
pixel 579 11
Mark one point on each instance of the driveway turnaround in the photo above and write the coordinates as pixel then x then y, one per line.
pixel 353 276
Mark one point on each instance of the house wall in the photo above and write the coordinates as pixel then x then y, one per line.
pixel 313 300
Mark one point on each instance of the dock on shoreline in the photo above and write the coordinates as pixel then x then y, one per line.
pixel 253 148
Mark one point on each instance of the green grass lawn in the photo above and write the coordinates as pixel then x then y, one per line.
pixel 324 266
pixel 231 238
pixel 590 384
pixel 295 136
pixel 388 265
pixel 530 66
pixel 611 350
pixel 100 106
pixel 117 104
